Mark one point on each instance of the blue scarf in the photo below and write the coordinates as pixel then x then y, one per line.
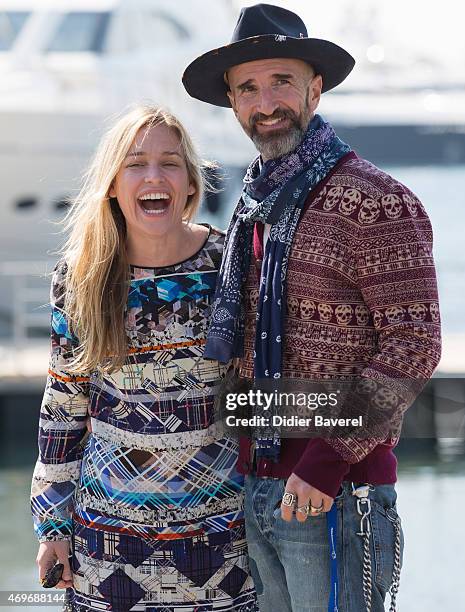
pixel 274 192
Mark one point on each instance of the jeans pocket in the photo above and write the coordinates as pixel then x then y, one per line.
pixel 277 512
pixel 388 544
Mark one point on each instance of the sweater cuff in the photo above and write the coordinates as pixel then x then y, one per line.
pixel 322 467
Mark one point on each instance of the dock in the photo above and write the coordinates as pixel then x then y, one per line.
pixel 436 420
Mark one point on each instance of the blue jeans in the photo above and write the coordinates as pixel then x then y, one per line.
pixel 290 564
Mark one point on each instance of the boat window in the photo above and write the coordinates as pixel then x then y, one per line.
pixel 80 32
pixel 62 203
pixel 155 28
pixel 11 23
pixel 167 26
pixel 26 202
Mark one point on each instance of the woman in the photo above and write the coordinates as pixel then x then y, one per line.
pixel 149 505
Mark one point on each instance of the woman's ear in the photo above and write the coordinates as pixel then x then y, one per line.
pixel 191 189
pixel 112 192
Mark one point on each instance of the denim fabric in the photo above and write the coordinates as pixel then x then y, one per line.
pixel 289 562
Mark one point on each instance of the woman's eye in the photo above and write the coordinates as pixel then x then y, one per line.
pixel 134 165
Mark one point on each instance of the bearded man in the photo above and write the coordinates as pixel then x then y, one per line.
pixel 327 275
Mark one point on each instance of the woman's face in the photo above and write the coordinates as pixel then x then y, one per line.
pixel 152 185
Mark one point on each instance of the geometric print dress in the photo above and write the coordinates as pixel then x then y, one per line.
pixel 150 500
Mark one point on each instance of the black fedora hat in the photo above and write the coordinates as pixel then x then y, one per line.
pixel 264 31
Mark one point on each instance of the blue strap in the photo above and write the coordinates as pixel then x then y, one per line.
pixel 331 522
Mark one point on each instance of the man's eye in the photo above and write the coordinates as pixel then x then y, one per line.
pixel 282 82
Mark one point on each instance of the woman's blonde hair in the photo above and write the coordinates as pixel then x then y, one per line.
pixel 98 276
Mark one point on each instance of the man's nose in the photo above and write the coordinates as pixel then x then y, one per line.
pixel 268 102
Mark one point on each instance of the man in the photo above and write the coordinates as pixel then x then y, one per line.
pixel 333 258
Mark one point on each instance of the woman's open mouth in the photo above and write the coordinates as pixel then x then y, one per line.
pixel 154 203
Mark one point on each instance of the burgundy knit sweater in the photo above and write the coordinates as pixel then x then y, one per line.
pixel 362 301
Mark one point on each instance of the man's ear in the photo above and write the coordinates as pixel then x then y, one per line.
pixel 314 94
pixel 228 92
pixel 231 101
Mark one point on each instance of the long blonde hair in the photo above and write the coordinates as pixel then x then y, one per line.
pixel 98 276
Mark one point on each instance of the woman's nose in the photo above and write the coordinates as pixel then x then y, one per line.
pixel 153 174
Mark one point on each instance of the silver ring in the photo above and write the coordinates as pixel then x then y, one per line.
pixel 289 499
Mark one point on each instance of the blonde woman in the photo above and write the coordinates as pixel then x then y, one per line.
pixel 149 506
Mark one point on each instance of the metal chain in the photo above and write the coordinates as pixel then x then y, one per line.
pixel 396 569
pixel 367 586
pixel 364 510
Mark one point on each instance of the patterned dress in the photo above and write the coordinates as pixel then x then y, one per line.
pixel 151 500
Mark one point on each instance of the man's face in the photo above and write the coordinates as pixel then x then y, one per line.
pixel 274 100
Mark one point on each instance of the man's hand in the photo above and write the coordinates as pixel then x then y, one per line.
pixel 306 494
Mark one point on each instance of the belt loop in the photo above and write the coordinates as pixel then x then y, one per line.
pixel 253 457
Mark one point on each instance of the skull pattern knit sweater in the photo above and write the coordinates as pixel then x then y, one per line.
pixel 362 303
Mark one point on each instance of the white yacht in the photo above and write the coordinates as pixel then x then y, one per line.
pixel 404 102
pixel 67 66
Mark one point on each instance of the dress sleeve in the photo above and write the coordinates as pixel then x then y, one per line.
pixel 62 428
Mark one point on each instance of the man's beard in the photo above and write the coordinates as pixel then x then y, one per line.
pixel 281 141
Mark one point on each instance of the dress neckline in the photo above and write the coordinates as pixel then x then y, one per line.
pixel 178 263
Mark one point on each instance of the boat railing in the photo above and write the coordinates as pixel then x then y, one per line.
pixel 27 286
pixel 25 298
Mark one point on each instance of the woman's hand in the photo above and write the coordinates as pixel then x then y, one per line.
pixel 51 553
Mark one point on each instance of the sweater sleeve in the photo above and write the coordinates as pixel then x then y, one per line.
pixel 397 279
pixel 62 428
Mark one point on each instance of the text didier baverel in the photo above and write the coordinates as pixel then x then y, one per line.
pixel 291 421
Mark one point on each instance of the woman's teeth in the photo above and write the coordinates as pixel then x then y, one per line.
pixel 154 211
pixel 154 203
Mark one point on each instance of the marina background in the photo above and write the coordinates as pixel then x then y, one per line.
pixel 402 108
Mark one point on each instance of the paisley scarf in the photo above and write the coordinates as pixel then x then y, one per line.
pixel 274 192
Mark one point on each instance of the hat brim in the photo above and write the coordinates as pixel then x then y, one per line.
pixel 204 77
